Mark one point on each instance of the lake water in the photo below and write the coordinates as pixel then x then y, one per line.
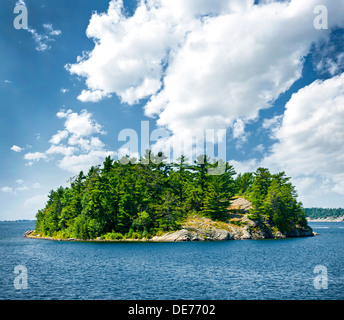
pixel 230 270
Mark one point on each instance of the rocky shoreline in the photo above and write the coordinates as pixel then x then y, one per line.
pixel 205 231
pixel 183 235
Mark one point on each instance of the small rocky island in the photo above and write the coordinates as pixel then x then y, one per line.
pixel 149 200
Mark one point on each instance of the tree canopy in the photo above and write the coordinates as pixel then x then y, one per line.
pixel 128 199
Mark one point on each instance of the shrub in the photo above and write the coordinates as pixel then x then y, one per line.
pixel 113 236
pixel 136 235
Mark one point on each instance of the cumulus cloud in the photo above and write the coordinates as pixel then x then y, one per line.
pixel 92 96
pixel 77 144
pixel 130 52
pixel 201 65
pixel 7 189
pixel 310 143
pixel 84 161
pixel 59 136
pixel 79 125
pixel 35 156
pixel 61 149
pixel 17 149
pixel 273 125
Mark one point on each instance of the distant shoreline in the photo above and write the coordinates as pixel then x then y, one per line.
pixel 20 220
pixel 328 219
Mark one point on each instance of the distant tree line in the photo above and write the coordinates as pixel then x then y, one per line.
pixel 128 199
pixel 322 213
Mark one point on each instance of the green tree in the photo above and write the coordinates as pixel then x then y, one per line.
pixel 219 191
pixel 258 191
pixel 243 183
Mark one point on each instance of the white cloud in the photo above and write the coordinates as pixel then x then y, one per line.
pixel 17 149
pixel 59 136
pixel 20 187
pixel 92 96
pixel 259 148
pixel 84 149
pixel 23 188
pixel 244 166
pixel 201 65
pixel 44 39
pixel 124 151
pixel 35 156
pixel 220 75
pixel 80 125
pixel 7 189
pixel 273 125
pixel 331 65
pixel 83 162
pixel 49 28
pixel 77 143
pixel 238 129
pixel 40 40
pixel 64 90
pixel 129 55
pixel 61 149
pixel 63 113
pixel 20 2
pixel 36 185
pixel 310 144
pixel 328 56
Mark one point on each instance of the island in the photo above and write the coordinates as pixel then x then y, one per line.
pixel 324 214
pixel 151 200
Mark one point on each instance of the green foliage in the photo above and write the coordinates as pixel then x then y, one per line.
pixel 138 199
pixel 243 183
pixel 274 199
pixel 112 236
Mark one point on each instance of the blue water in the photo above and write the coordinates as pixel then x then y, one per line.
pixel 246 269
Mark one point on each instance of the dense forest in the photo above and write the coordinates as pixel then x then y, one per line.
pixel 136 199
pixel 322 213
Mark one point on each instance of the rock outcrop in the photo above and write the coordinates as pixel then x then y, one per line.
pixel 238 227
pixel 213 234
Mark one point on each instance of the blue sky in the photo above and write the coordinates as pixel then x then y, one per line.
pixel 84 71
